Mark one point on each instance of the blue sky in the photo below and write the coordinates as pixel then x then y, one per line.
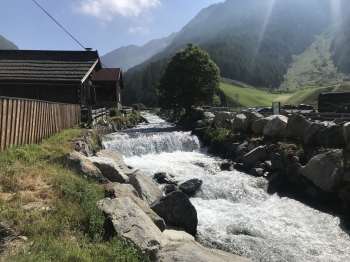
pixel 103 25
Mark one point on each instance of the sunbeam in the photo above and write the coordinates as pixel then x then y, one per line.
pixel 336 10
pixel 263 29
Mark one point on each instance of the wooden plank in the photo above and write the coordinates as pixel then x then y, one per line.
pixel 33 123
pixel 45 135
pixel 30 123
pixel 1 125
pixel 37 125
pixel 24 122
pixel 13 122
pixel 18 113
pixel 8 124
pixel 41 122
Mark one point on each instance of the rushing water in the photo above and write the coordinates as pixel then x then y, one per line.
pixel 235 213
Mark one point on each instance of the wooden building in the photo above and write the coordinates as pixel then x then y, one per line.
pixel 108 84
pixel 57 76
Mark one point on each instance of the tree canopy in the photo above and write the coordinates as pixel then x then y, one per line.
pixel 190 79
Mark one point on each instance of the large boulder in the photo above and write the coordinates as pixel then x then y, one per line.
pixel 118 190
pixel 257 154
pixel 183 248
pixel 325 171
pixel 145 187
pixel 344 194
pixel 191 186
pixel 296 126
pixel 238 122
pixel 258 125
pixel 251 117
pixel 346 132
pixel 275 126
pixel 117 157
pixel 177 210
pixel 331 137
pixel 109 169
pixel 82 165
pixel 222 117
pixel 311 132
pixel 132 225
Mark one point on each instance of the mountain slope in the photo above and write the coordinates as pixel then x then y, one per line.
pixel 133 55
pixel 314 67
pixel 6 44
pixel 250 40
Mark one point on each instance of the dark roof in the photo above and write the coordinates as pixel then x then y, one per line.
pixel 30 66
pixel 107 74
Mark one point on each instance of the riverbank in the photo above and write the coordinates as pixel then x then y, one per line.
pixel 48 211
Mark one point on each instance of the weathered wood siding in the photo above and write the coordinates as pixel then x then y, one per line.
pixel 24 121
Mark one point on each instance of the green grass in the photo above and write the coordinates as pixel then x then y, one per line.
pixel 314 67
pixel 70 228
pixel 250 97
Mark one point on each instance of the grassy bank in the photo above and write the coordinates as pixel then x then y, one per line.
pixel 49 212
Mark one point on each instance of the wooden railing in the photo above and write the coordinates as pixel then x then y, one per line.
pixel 94 115
pixel 25 121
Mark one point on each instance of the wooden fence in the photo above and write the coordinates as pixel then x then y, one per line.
pixel 94 115
pixel 25 121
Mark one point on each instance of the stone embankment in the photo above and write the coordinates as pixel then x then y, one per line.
pixel 289 151
pixel 161 222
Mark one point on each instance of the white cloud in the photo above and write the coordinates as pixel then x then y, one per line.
pixel 139 29
pixel 107 8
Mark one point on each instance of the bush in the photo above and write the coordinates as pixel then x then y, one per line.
pixel 136 107
pixel 114 112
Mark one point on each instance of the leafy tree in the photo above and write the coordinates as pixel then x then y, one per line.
pixel 190 79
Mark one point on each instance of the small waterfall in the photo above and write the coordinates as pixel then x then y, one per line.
pixel 153 143
pixel 235 212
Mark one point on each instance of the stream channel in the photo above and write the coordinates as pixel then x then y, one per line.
pixel 235 212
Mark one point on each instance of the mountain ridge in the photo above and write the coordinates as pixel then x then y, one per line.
pixel 7 44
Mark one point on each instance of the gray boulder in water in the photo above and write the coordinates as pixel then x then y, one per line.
pixel 191 186
pixel 177 210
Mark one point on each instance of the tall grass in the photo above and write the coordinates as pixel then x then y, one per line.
pixel 64 223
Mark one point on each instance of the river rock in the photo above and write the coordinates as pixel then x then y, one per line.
pixel 132 225
pixel 346 132
pixel 238 122
pixel 293 175
pixel 82 165
pixel 169 188
pixel 257 154
pixel 109 169
pixel 258 172
pixel 311 132
pixel 118 190
pixel 183 248
pixel 177 210
pixel 242 149
pixel 145 187
pixel 325 171
pixel 331 137
pixel 344 193
pixel 227 166
pixel 275 126
pixel 191 186
pixel 208 116
pixel 251 117
pixel 163 178
pixel 222 117
pixel 277 160
pixel 117 157
pixel 200 124
pixel 296 126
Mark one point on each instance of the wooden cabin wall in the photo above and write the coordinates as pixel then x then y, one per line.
pixel 55 93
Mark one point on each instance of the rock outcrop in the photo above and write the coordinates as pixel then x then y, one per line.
pixel 109 169
pixel 191 186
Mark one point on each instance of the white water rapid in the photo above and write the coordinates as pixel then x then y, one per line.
pixel 235 212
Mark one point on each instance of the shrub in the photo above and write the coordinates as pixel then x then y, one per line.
pixel 136 107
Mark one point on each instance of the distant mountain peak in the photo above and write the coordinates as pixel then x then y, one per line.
pixel 7 44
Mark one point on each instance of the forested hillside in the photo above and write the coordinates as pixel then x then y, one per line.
pixel 250 40
pixel 6 44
